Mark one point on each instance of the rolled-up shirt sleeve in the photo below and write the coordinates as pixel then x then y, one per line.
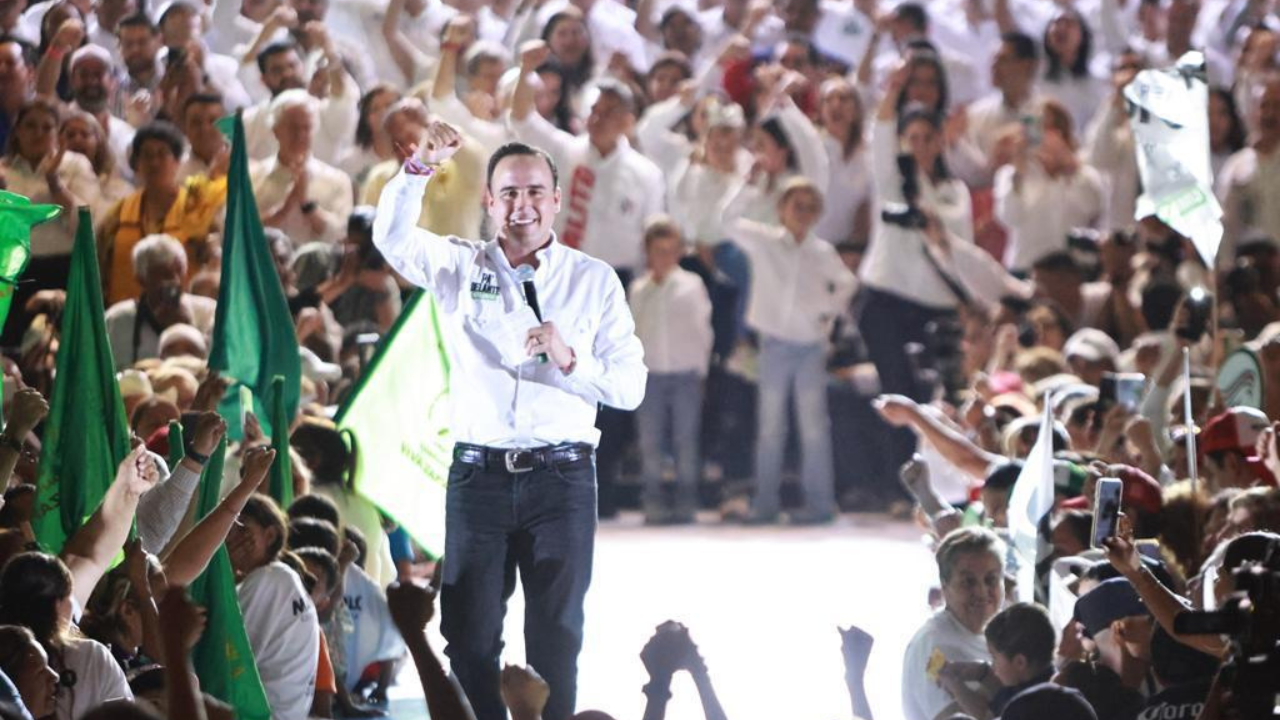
pixel 611 371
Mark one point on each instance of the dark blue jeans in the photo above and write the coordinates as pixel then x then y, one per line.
pixel 541 523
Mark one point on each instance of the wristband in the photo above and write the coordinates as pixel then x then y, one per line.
pixel 452 47
pixel 191 453
pixel 57 52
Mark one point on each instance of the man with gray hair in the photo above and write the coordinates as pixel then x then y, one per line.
pixel 307 199
pixel 134 326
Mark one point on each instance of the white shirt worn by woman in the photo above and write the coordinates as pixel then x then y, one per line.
pixel 896 262
pixel 922 698
pixel 1041 210
pixel 55 237
pixel 848 188
pixel 98 678
pixel 759 200
pixel 284 632
pixel 500 397
pixel 1081 95
pixel 698 193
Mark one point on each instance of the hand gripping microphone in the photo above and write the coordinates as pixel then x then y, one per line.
pixel 524 274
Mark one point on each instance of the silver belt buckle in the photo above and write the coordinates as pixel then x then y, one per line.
pixel 511 457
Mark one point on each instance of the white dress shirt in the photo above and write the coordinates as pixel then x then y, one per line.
pixel 1249 189
pixel 335 127
pixel 1081 96
pixel 606 200
pixel 328 187
pixel 122 328
pixel 848 188
pixel 699 194
pixel 797 288
pixel 895 261
pixel 499 396
pixel 1042 210
pixel 1109 147
pixel 673 321
pixel 987 119
pixel 55 237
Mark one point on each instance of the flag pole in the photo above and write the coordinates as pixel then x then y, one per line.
pixel 1189 417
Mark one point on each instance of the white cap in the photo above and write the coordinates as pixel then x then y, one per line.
pixel 1092 345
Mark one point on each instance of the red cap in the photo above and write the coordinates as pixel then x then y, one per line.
pixel 1141 492
pixel 1236 429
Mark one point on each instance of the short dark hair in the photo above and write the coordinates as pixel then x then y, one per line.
pixel 201 98
pixel 275 48
pixel 314 505
pixel 518 148
pixel 1003 476
pixel 27 50
pixel 914 14
pixel 307 532
pixel 162 130
pixel 1023 629
pixel 661 226
pixel 1024 47
pixel 353 534
pixel 138 19
pixel 1058 261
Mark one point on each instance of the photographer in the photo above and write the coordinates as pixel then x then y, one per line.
pixel 905 290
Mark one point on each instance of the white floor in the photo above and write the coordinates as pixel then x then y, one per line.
pixel 763 605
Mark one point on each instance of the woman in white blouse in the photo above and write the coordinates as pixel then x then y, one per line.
pixel 1069 76
pixel 82 133
pixel 846 216
pixel 372 145
pixel 904 286
pixel 35 166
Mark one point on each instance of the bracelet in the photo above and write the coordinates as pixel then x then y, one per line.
pixel 57 52
pixel 200 459
pixel 452 47
pixel 11 442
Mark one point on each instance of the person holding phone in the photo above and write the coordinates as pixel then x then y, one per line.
pixel 522 487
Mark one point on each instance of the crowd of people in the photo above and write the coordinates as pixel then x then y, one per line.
pixel 864 245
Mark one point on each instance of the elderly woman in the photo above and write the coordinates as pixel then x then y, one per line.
pixel 81 132
pixel 971 570
pixel 25 662
pixel 134 325
pixel 35 166
pixel 184 211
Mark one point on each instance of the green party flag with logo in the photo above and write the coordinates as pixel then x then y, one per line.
pixel 398 417
pixel 253 333
pixel 280 485
pixel 17 216
pixel 223 659
pixel 86 434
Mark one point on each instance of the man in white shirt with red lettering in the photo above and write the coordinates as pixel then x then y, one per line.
pixel 522 486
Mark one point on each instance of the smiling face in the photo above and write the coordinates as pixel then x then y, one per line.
pixel 523 200
pixel 79 135
pixel 37 682
pixel 975 590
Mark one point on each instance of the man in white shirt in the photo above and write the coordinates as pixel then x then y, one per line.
pixel 209 151
pixel 181 25
pixel 305 198
pixel 974 157
pixel 798 287
pixel 282 69
pixel 521 491
pixel 1249 183
pixel 93 84
pixel 160 264
pixel 613 189
pixel 673 320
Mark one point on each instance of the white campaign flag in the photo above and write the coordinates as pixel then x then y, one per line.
pixel 1032 497
pixel 1169 114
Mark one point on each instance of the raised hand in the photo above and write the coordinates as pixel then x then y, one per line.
pixel 439 143
pixel 210 392
pixel 138 472
pixel 26 411
pixel 533 54
pixel 524 692
pixel 1122 552
pixel 210 428
pixel 667 651
pixel 412 607
pixel 256 465
pixel 181 618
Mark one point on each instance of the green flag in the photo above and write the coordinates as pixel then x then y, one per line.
pixel 223 659
pixel 86 435
pixel 399 419
pixel 281 482
pixel 17 217
pixel 253 333
pixel 177 447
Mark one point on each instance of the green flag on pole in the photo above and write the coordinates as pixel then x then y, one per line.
pixel 399 419
pixel 177 447
pixel 253 332
pixel 281 481
pixel 223 659
pixel 17 217
pixel 86 434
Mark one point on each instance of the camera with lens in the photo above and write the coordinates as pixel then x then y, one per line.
pixel 907 215
pixel 1250 618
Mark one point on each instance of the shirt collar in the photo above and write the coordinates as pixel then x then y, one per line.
pixel 547 255
pixel 618 150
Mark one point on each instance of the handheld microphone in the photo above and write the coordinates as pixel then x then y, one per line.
pixel 524 274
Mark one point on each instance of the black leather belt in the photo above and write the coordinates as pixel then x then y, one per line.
pixel 520 460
